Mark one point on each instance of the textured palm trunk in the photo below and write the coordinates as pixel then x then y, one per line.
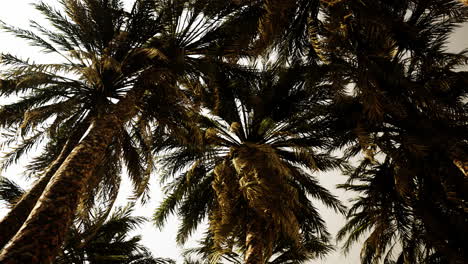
pixel 15 218
pixel 254 244
pixel 41 236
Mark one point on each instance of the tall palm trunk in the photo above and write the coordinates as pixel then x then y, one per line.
pixel 15 218
pixel 41 236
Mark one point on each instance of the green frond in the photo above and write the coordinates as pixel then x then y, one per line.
pixel 20 149
pixel 38 115
pixel 61 132
pixel 10 192
pixel 354 229
pixel 312 186
pixel 133 162
pixel 61 41
pixel 34 39
pixel 105 238
pixel 171 202
pixel 194 208
pixel 13 60
pixel 60 22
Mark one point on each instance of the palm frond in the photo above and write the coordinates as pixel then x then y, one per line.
pixel 10 192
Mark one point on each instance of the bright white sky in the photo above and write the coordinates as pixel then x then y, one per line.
pixel 162 243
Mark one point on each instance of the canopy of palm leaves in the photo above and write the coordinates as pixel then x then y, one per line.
pixel 239 144
pixel 248 170
pixel 289 28
pixel 409 98
pixel 108 242
pixel 380 210
pixel 408 106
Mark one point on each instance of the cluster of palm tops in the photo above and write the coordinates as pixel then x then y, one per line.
pixel 239 104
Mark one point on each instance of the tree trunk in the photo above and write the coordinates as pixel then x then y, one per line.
pixel 15 218
pixel 254 244
pixel 41 236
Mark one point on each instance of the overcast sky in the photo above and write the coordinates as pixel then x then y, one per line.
pixel 162 243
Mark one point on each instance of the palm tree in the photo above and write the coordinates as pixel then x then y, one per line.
pixel 408 106
pixel 73 102
pixel 139 59
pixel 107 242
pixel 10 224
pixel 383 216
pixel 99 239
pixel 247 169
pixel 392 56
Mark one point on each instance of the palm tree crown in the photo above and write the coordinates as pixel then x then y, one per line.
pixel 249 175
